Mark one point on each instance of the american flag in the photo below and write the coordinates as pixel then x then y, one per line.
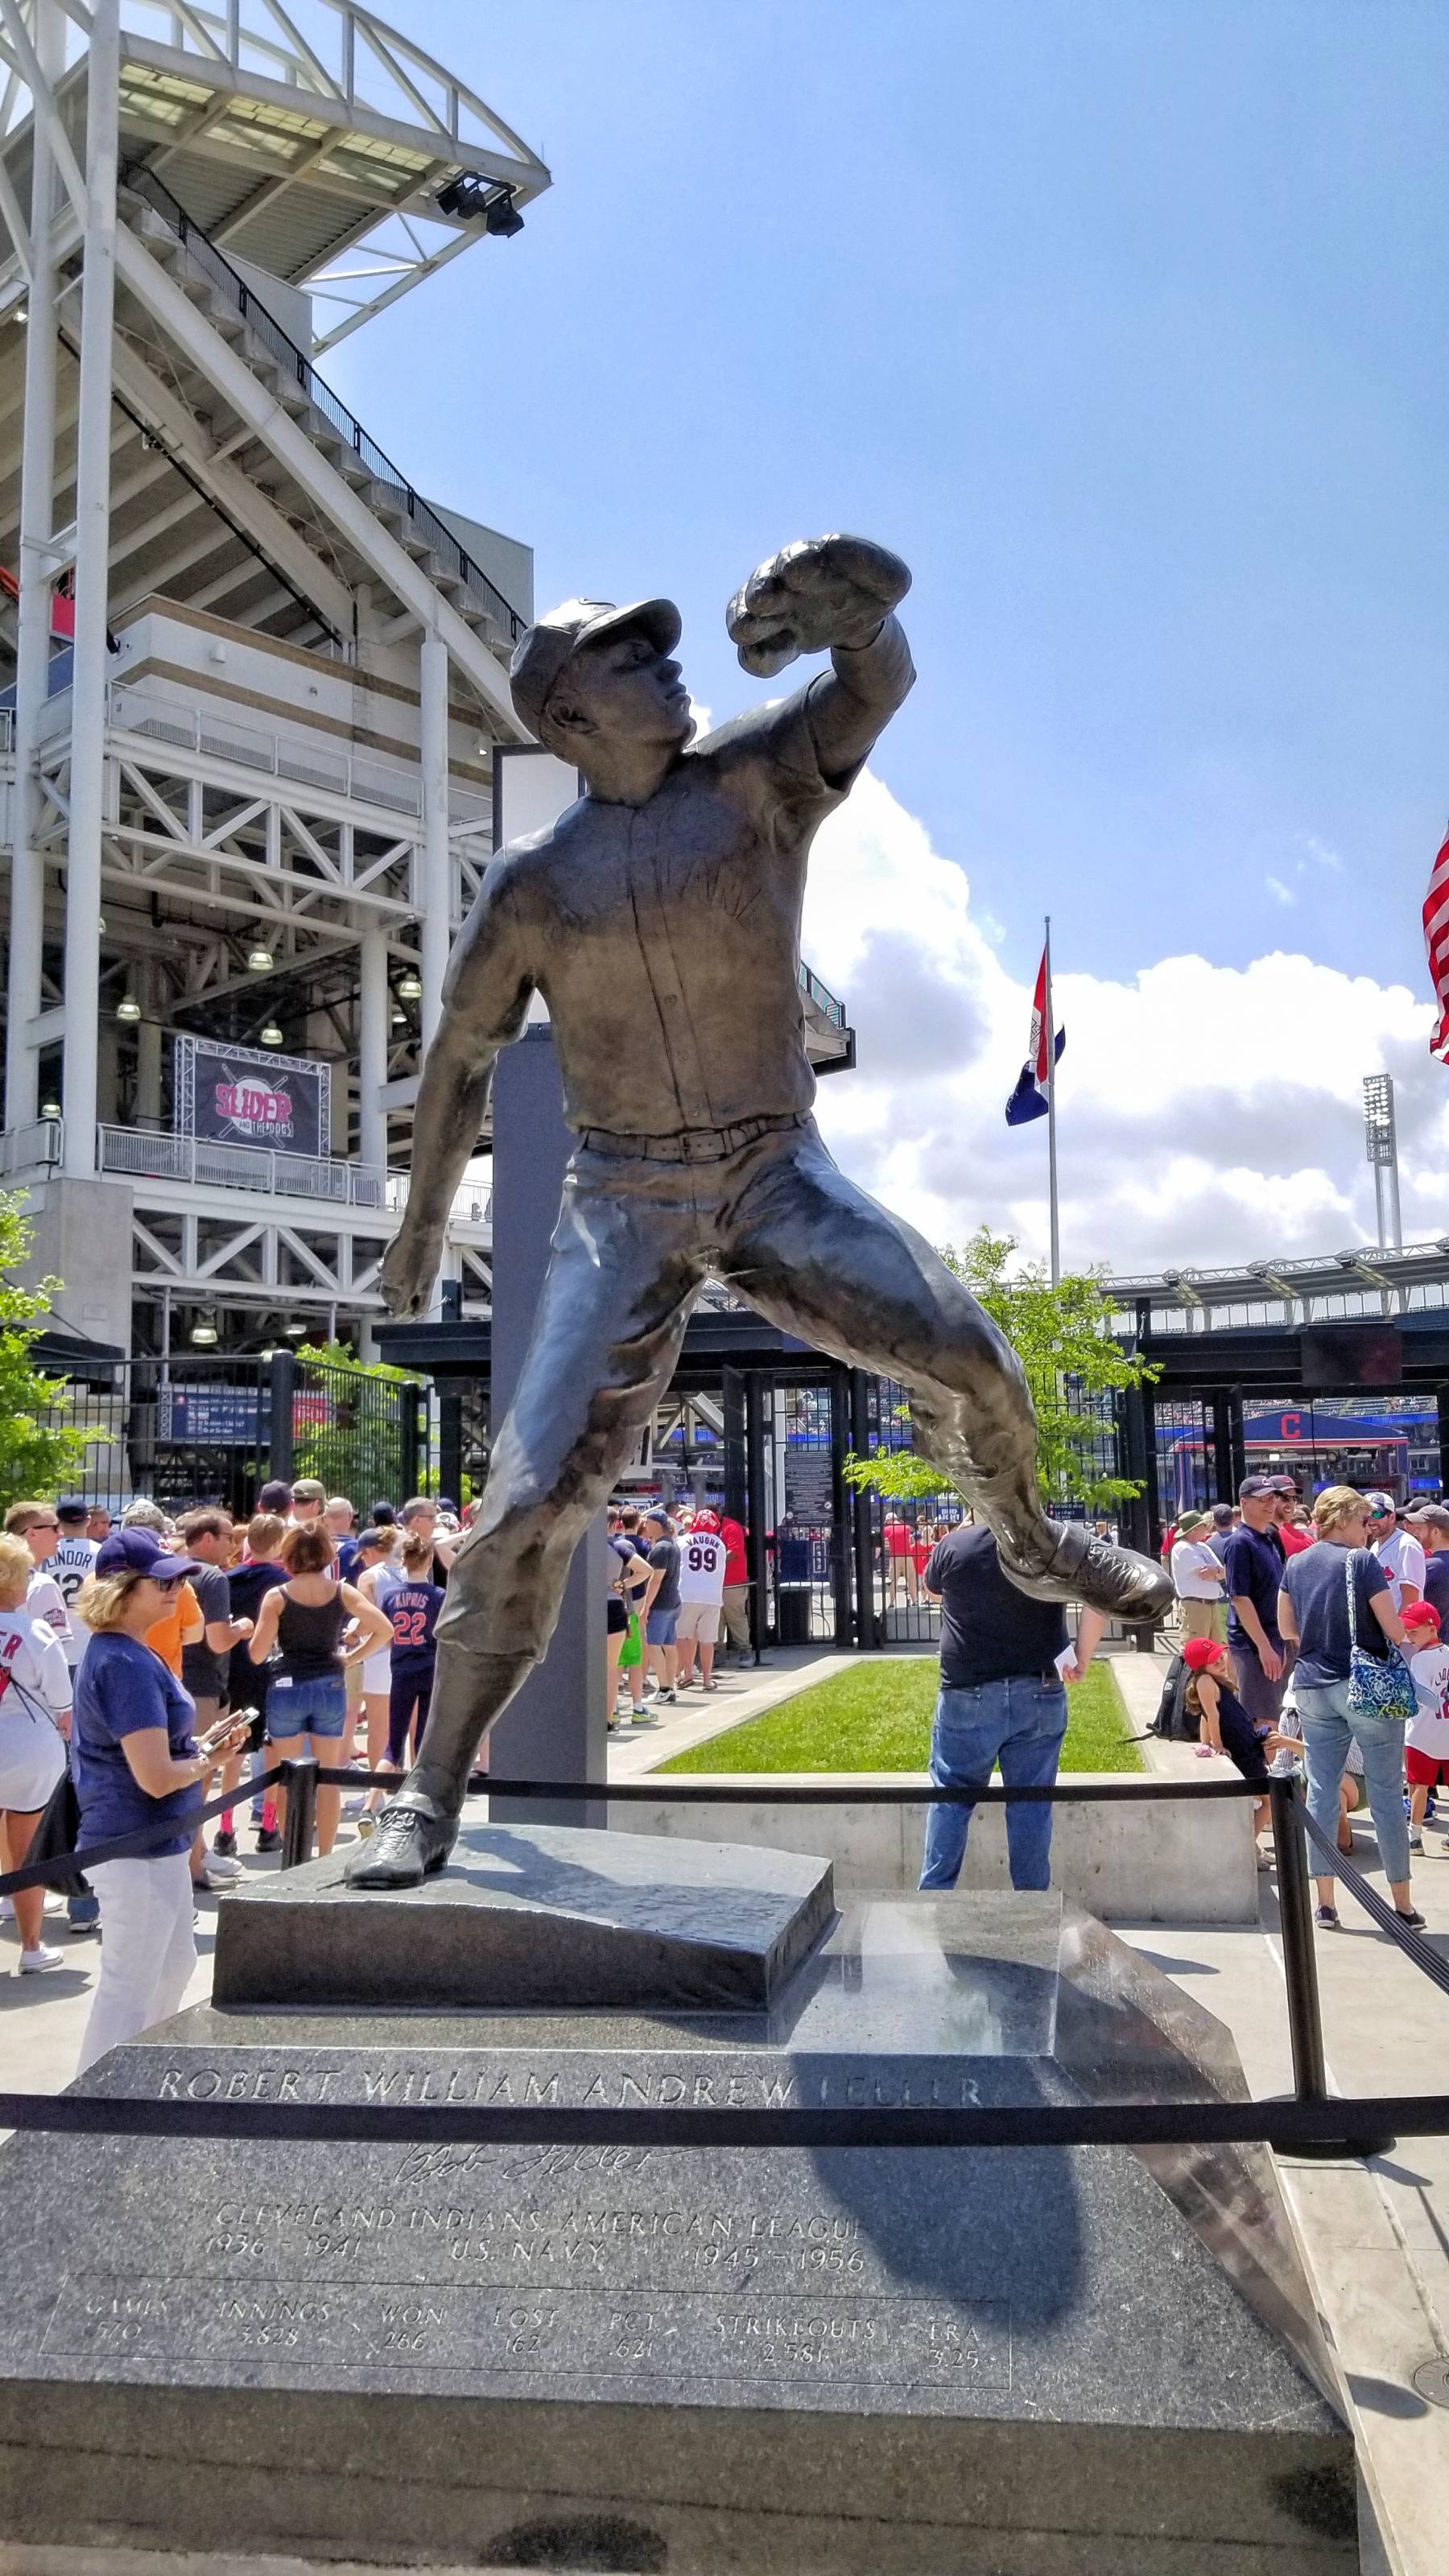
pixel 1436 941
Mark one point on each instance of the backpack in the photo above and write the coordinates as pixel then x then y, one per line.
pixel 1174 1720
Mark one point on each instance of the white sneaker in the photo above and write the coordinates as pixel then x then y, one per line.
pixel 36 1963
pixel 7 1910
pixel 220 1869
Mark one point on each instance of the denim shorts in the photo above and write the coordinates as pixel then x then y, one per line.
pixel 307 1706
pixel 662 1624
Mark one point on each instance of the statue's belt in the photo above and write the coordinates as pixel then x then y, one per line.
pixel 692 1144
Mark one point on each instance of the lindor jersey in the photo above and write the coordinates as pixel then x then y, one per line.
pixel 702 1556
pixel 72 1565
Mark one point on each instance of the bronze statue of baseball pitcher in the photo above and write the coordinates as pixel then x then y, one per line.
pixel 660 920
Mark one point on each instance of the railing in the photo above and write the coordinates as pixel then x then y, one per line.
pixel 823 999
pixel 148 1153
pixel 38 1147
pixel 273 755
pixel 433 530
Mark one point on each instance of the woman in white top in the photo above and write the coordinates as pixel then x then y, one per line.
pixel 34 1722
pixel 378 1577
pixel 1198 1577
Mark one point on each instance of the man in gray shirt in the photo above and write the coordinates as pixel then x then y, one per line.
pixel 659 918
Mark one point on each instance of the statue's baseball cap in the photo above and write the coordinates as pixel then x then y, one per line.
pixel 550 645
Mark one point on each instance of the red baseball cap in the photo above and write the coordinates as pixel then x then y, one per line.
pixel 1199 1652
pixel 1421 1614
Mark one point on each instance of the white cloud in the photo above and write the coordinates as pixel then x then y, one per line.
pixel 1282 894
pixel 1206 1113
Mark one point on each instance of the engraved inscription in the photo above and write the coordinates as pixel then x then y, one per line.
pixel 354 2325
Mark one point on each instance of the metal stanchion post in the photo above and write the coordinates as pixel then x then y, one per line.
pixel 299 1779
pixel 1300 1968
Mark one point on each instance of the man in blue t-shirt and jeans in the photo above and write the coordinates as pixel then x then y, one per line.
pixel 1004 1662
pixel 1255 1560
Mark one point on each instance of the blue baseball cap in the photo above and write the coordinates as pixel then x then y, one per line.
pixel 139 1551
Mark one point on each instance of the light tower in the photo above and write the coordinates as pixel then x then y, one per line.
pixel 1382 1147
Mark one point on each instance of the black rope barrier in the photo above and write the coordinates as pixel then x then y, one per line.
pixel 824 1793
pixel 1284 2124
pixel 146 1838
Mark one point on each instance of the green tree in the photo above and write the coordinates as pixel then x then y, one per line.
pixel 1063 1338
pixel 40 1453
pixel 347 1429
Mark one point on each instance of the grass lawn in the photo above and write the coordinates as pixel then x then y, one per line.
pixel 878 1718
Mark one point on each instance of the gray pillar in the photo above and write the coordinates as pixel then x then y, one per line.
pixel 36 567
pixel 372 1024
pixel 148 1061
pixel 92 543
pixel 557 1728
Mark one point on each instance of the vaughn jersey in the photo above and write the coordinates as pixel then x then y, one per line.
pixel 701 1566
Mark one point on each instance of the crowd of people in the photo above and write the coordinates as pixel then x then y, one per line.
pixel 156 1660
pixel 1312 1643
pixel 676 1580
pixel 148 1662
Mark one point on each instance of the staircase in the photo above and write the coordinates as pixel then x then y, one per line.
pixel 163 227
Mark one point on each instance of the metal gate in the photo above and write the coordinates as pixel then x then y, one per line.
pixel 203 1429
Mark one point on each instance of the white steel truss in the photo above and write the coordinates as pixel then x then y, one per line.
pixel 323 137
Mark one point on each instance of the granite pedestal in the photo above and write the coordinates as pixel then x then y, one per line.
pixel 531 1915
pixel 791 2362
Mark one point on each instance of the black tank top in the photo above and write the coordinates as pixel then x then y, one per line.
pixel 309 1635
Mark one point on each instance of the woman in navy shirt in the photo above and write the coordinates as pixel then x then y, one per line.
pixel 137 1765
pixel 413 1607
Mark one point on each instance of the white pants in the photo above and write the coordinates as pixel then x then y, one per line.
pixel 147 1948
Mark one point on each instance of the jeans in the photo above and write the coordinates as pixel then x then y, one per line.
pixel 1019 1722
pixel 147 1953
pixel 1328 1730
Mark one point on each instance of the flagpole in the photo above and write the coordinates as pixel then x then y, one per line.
pixel 1051 1059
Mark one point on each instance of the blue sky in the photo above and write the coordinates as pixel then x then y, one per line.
pixel 1124 323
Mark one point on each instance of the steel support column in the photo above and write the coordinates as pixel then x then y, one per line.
pixel 867 1634
pixel 92 525
pixel 840 1506
pixel 437 885
pixel 37 569
pixel 372 1030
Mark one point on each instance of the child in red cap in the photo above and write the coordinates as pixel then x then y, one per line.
pixel 1426 1748
pixel 1225 1725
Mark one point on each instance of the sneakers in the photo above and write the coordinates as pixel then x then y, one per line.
pixel 215 1877
pixel 1411 1919
pixel 38 1963
pixel 223 1844
pixel 1416 1837
pixel 645 1717
pixel 1326 1917
pixel 268 1838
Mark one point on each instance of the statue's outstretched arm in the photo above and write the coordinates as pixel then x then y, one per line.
pixel 485 1003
